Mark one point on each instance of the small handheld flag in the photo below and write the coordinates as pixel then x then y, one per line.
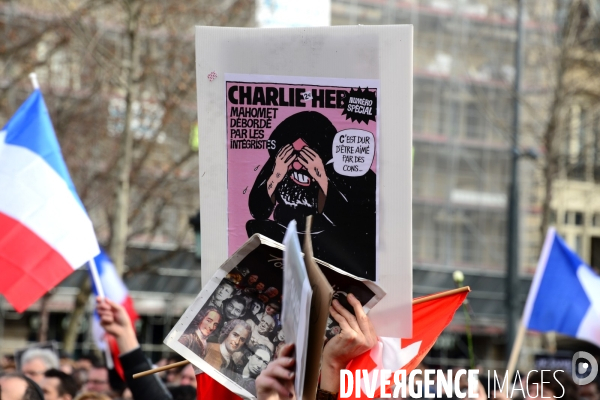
pixel 565 294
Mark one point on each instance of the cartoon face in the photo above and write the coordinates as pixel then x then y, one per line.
pixel 209 323
pixel 297 172
pixel 236 338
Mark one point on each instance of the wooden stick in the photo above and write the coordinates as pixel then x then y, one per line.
pixel 415 301
pixel 441 294
pixel 514 355
pixel 160 369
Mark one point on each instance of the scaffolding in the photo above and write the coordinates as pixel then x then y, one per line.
pixel 462 113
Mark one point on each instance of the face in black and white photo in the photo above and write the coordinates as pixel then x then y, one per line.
pixel 224 291
pixel 258 361
pixel 235 308
pixel 266 325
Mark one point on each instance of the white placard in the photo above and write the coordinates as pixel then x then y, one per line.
pixel 382 53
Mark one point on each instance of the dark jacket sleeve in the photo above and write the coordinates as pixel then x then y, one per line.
pixel 149 387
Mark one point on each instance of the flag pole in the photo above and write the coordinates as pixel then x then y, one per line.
pixel 514 355
pixel 34 80
pixel 439 295
pixel 418 300
pixel 98 284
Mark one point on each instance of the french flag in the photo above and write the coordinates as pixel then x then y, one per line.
pixel 45 232
pixel 565 294
pixel 115 290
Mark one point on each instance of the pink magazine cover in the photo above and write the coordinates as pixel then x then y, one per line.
pixel 299 146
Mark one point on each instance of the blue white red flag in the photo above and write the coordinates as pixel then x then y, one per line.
pixel 114 289
pixel 565 294
pixel 45 232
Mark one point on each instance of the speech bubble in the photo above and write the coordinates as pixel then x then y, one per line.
pixel 353 151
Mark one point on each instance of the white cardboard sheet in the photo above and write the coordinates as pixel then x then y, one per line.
pixel 357 52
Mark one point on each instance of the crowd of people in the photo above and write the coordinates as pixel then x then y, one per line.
pixel 40 374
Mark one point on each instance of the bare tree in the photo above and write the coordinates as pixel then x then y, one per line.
pixel 577 63
pixel 119 82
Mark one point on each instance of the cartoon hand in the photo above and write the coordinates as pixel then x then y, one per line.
pixel 314 165
pixel 282 161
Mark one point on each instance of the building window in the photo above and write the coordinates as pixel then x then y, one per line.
pixel 579 218
pixel 579 244
pixel 596 220
pixel 574 218
pixel 552 217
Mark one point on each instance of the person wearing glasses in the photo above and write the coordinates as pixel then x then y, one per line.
pixel 257 362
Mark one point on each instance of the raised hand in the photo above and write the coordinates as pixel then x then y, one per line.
pixel 356 337
pixel 284 158
pixel 314 165
pixel 115 320
pixel 277 380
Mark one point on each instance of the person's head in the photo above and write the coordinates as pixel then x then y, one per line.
pixel 555 384
pixel 34 362
pixel 235 308
pixel 224 291
pixel 257 307
pixel 252 279
pixel 183 392
pixel 258 361
pixel 591 391
pixel 271 292
pixel 58 385
pixel 7 363
pixel 272 308
pixel 280 335
pixel 174 374
pixel 16 386
pixel 86 361
pixel 92 396
pixel 234 335
pixel 208 320
pixel 98 380
pixel 234 277
pixel 187 377
pixel 260 286
pixel 266 325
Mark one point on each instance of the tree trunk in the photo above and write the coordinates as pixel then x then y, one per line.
pixel 44 315
pixel 122 192
pixel 73 329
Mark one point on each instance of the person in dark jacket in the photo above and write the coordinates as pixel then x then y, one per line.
pixel 114 320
